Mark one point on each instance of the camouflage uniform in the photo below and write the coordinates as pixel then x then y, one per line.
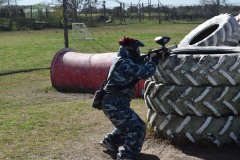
pixel 130 129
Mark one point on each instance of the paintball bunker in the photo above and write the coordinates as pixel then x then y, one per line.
pixel 194 97
pixel 72 71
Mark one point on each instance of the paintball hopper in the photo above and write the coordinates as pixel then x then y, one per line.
pixel 162 40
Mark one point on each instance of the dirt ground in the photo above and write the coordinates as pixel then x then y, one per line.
pixel 85 144
pixel 161 150
pixel 153 148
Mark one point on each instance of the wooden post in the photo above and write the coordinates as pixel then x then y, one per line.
pixel 150 9
pixel 104 10
pixel 46 14
pixel 31 8
pixel 140 14
pixel 131 9
pixel 91 12
pixel 159 14
pixel 120 13
pixel 124 12
pixel 65 19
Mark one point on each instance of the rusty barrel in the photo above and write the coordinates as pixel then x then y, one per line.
pixel 72 71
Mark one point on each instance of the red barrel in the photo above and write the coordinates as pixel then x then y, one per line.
pixel 72 71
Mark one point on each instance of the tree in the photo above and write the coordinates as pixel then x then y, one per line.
pixel 2 2
pixel 213 5
pixel 8 2
pixel 77 5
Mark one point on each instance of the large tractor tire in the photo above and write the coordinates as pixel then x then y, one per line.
pixel 199 130
pixel 192 101
pixel 238 19
pixel 199 66
pixel 222 30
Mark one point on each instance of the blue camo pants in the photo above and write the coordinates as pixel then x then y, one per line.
pixel 130 129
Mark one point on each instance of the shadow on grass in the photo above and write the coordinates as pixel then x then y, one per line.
pixel 141 156
pixel 213 153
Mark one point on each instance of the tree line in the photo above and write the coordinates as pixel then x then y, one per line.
pixel 92 13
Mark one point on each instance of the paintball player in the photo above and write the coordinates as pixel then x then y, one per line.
pixel 125 72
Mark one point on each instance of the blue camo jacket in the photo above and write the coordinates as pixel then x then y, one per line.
pixel 124 70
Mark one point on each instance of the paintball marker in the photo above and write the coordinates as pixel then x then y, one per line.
pixel 160 52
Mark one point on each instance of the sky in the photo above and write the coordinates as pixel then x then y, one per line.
pixel 112 3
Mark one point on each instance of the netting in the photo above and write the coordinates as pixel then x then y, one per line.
pixel 80 31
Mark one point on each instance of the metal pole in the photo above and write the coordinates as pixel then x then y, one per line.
pixel 65 19
pixel 104 10
pixel 31 12
pixel 124 13
pixel 159 15
pixel 120 13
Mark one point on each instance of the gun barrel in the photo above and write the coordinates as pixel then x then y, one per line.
pixel 154 52
pixel 172 46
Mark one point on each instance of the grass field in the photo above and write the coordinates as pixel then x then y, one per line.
pixel 37 122
pixel 34 49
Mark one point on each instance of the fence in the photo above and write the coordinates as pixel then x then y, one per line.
pixel 40 17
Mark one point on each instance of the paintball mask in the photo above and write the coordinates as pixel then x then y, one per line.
pixel 131 45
